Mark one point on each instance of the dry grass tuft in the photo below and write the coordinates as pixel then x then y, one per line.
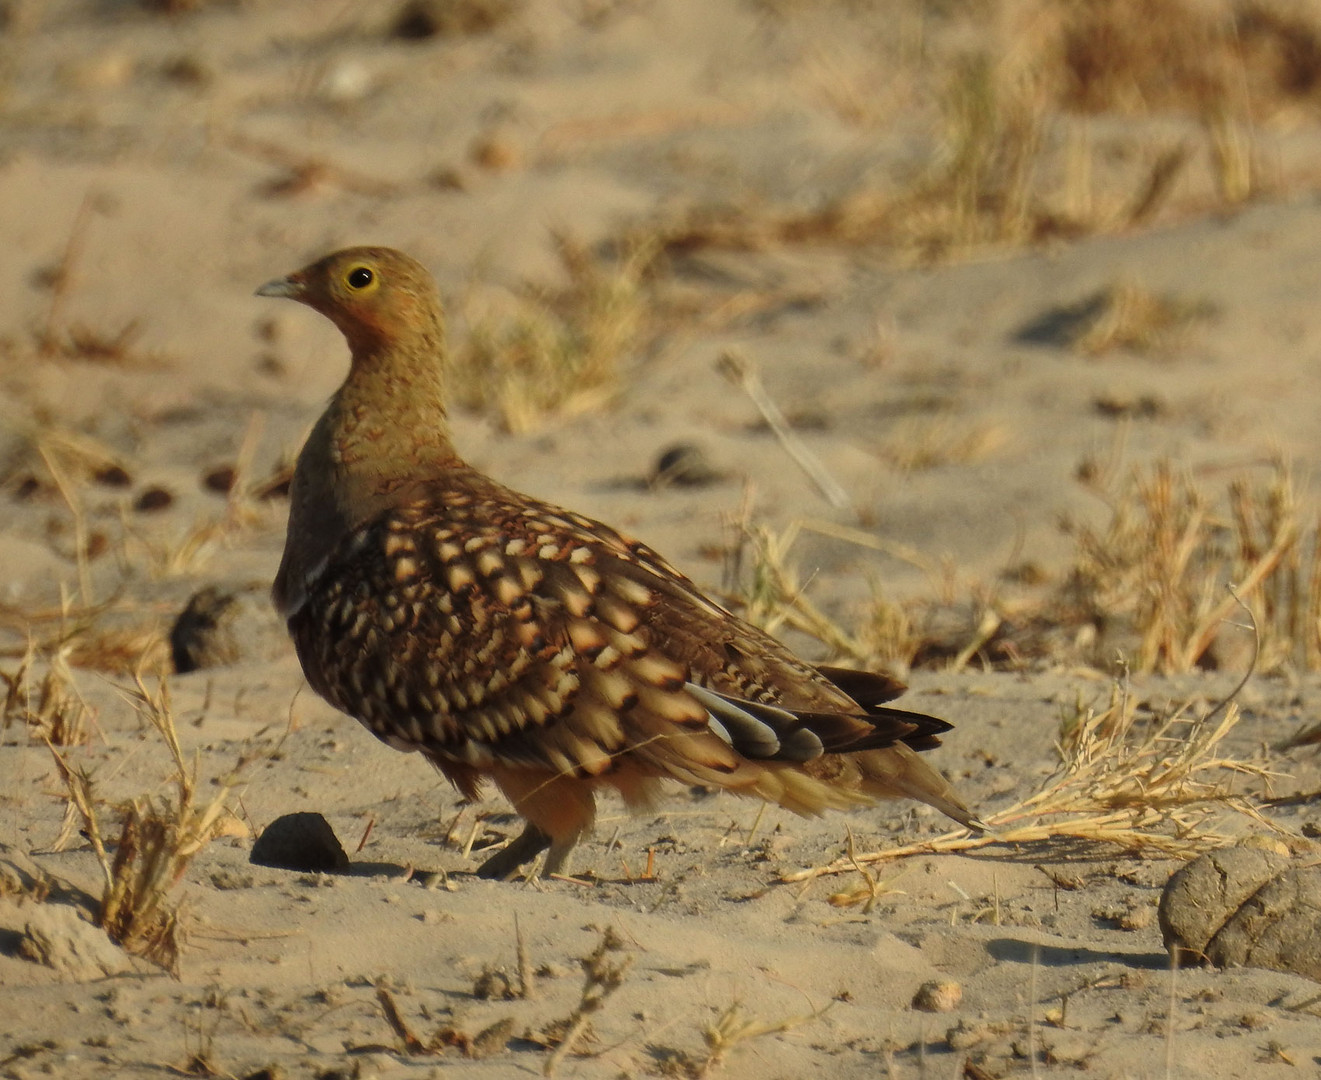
pixel 1155 787
pixel 118 635
pixel 24 885
pixel 157 840
pixel 1123 316
pixel 984 191
pixel 731 1029
pixel 1139 56
pixel 735 1026
pixel 770 596
pixel 1150 583
pixel 115 636
pixel 1008 171
pixel 48 705
pixel 919 444
pixel 1016 160
pixel 129 649
pixel 1143 56
pixel 1158 569
pixel 559 353
pixel 939 631
pixel 485 1043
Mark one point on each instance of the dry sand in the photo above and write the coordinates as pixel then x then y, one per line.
pixel 170 132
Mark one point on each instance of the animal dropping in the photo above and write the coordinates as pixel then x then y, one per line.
pixel 510 641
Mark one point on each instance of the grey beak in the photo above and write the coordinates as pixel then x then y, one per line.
pixel 289 288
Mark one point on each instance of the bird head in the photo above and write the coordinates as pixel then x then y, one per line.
pixel 378 297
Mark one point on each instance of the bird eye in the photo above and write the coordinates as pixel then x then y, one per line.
pixel 359 277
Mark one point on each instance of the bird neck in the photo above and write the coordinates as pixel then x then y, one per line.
pixel 382 438
pixel 388 421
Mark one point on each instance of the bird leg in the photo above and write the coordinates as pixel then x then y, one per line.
pixel 506 862
pixel 557 858
pixel 559 811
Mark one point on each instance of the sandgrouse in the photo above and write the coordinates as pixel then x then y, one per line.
pixel 507 639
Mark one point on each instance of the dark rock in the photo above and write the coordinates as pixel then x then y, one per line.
pixel 302 841
pixel 683 465
pixel 219 628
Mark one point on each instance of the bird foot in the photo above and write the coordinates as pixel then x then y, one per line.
pixel 506 863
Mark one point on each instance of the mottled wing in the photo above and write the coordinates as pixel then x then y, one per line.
pixel 486 629
pixel 474 626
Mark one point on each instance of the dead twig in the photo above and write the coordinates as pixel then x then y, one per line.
pixel 739 370
pixel 601 979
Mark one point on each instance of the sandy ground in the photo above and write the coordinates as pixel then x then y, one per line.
pixel 175 135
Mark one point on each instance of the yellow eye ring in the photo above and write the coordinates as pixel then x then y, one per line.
pixel 359 278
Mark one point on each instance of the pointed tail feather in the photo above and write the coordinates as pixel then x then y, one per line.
pixel 893 773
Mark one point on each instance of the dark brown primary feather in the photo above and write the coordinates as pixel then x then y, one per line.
pixel 508 639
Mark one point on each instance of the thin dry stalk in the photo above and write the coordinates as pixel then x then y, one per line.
pixel 527 976
pixel 739 370
pixel 61 278
pixel 393 1017
pixel 1237 171
pixel 1155 789
pixel 81 549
